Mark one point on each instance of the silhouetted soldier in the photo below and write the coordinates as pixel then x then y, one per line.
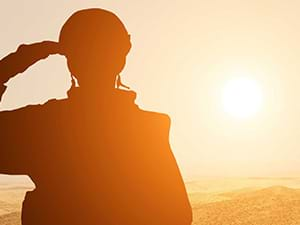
pixel 95 158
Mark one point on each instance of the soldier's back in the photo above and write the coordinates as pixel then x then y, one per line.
pixel 108 163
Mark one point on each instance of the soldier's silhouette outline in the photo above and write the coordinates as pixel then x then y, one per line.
pixel 95 158
pixel 120 84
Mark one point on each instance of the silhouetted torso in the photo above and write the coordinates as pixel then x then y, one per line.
pixel 103 164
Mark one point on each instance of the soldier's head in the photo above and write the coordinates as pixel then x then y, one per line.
pixel 95 43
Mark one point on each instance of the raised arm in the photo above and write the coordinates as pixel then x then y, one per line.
pixel 23 58
pixel 16 126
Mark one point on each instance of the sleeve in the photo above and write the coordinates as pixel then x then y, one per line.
pixel 13 142
pixel 23 58
pixel 162 171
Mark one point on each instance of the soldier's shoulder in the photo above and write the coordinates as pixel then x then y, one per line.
pixel 156 117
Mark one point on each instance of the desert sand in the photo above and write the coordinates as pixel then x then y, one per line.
pixel 245 201
pixel 215 201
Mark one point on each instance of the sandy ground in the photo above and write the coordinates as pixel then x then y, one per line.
pixel 245 201
pixel 215 201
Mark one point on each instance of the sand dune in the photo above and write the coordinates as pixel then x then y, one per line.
pixel 217 201
pixel 270 206
pixel 13 218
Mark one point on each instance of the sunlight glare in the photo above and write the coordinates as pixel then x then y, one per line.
pixel 242 97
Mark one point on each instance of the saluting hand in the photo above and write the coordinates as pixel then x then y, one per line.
pixel 25 56
pixel 44 48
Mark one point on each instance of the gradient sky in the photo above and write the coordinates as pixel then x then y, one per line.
pixel 183 54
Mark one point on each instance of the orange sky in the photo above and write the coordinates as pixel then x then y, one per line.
pixel 183 53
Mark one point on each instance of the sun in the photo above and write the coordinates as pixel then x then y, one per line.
pixel 242 97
